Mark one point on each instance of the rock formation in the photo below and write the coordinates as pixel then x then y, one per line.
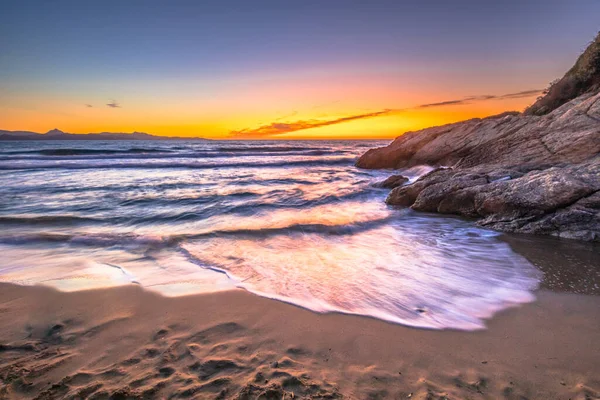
pixel 537 172
pixel 392 182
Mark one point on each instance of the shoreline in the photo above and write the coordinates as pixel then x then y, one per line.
pixel 233 344
pixel 567 265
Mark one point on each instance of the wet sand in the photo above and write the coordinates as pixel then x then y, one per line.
pixel 129 343
pixel 567 265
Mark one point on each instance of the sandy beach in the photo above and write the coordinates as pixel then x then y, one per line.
pixel 276 200
pixel 130 343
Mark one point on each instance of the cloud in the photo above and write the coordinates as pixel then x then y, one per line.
pixel 280 128
pixel 485 97
pixel 444 103
pixel 520 95
pixel 89 105
pixel 113 104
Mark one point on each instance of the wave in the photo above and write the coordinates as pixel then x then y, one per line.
pixel 398 275
pixel 241 204
pixel 270 149
pixel 187 165
pixel 253 202
pixel 92 240
pixel 127 239
pixel 47 219
pixel 117 155
pixel 49 188
pixel 314 228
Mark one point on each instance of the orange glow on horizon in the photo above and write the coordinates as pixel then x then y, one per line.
pixel 222 118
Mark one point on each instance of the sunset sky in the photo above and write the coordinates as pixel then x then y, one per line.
pixel 279 69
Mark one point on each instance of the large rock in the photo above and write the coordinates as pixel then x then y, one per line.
pixel 392 182
pixel 561 201
pixel 569 134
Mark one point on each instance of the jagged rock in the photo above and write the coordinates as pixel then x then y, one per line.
pixel 431 196
pixel 407 195
pixel 561 201
pixel 569 134
pixel 392 182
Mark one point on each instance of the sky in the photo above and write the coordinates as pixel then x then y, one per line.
pixel 242 69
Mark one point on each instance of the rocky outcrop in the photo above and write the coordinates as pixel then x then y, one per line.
pixel 561 201
pixel 514 173
pixel 392 182
pixel 569 134
pixel 537 172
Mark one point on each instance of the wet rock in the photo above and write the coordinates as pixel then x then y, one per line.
pixel 560 201
pixel 430 197
pixel 392 182
pixel 406 195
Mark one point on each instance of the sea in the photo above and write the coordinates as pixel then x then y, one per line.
pixel 294 221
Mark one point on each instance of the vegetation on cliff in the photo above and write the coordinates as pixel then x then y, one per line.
pixel 583 77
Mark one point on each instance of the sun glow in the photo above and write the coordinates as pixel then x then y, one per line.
pixel 272 112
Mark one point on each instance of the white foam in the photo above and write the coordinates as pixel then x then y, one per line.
pixel 388 272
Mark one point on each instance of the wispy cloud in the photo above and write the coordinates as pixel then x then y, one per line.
pixel 280 128
pixel 113 104
pixel 277 127
pixel 485 97
pixel 523 94
pixel 444 103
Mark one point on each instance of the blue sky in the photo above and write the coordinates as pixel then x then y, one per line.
pixel 195 54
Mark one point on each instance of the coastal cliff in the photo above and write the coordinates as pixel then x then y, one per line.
pixel 532 172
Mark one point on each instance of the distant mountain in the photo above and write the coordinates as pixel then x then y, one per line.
pixel 56 134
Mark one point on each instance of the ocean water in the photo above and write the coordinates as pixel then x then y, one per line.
pixel 289 220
